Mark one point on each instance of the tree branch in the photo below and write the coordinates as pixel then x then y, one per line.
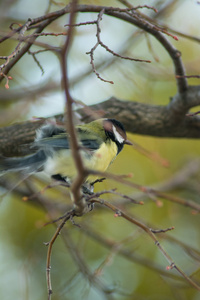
pixel 81 171
pixel 138 118
pixel 133 18
pixel 154 120
pixel 149 231
pixel 153 30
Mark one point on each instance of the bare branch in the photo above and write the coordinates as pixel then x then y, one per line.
pixel 91 52
pixel 152 236
pixel 114 192
pixel 123 15
pixel 155 120
pixel 130 255
pixel 162 230
pixel 18 47
pixel 33 54
pixel 99 42
pixel 81 172
pixel 50 245
pixel 23 50
pixel 149 191
pixel 173 120
pixel 153 30
pixel 139 118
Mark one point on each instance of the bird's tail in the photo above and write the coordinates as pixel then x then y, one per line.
pixel 29 164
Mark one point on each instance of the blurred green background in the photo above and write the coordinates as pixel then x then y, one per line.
pixel 36 92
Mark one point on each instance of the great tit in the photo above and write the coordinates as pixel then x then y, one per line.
pixel 100 142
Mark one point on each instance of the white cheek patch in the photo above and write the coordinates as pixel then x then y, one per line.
pixel 118 136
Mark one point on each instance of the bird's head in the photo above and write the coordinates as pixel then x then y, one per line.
pixel 115 131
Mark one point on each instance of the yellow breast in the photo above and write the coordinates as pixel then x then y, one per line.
pixel 62 162
pixel 101 159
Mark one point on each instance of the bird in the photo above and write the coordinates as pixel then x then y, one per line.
pixel 100 141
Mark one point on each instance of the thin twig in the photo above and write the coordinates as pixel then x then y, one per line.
pixel 18 47
pixel 147 190
pixel 82 23
pixel 153 30
pixel 128 254
pixel 81 172
pixel 99 42
pixel 142 23
pixel 24 49
pixel 188 76
pixel 161 230
pixel 113 191
pixel 149 231
pixel 50 245
pixel 76 185
pixel 91 52
pixel 33 54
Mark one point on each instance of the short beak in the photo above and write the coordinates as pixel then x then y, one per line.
pixel 127 142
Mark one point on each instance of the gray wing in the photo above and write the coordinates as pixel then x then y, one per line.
pixel 57 141
pixel 50 137
pixel 62 142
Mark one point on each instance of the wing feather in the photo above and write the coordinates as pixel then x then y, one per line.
pixel 61 141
